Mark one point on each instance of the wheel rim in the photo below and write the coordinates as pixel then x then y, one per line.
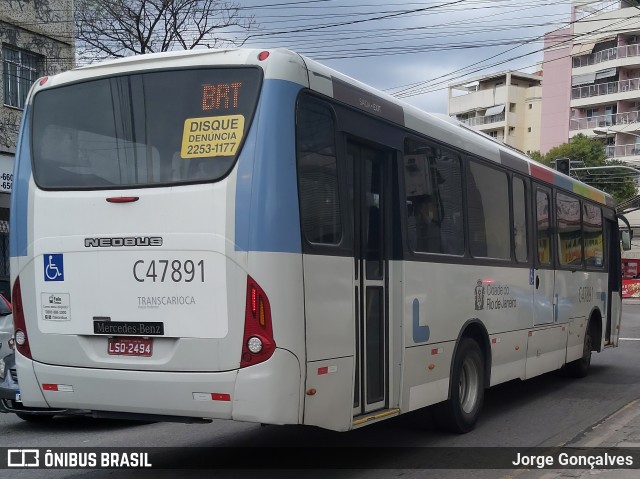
pixel 469 385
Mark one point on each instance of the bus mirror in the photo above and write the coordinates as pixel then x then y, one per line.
pixel 626 240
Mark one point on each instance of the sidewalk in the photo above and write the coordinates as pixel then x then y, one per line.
pixel 621 429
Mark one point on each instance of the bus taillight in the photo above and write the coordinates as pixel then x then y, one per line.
pixel 20 326
pixel 257 343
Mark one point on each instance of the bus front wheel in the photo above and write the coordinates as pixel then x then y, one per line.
pixel 461 411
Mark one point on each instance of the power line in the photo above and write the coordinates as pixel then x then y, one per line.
pixel 431 88
pixel 399 94
pixel 354 22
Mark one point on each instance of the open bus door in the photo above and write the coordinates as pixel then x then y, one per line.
pixel 615 236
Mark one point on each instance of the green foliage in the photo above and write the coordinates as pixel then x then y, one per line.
pixel 582 148
pixel 536 155
pixel 585 151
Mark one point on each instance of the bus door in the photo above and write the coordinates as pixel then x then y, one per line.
pixel 543 277
pixel 613 265
pixel 369 173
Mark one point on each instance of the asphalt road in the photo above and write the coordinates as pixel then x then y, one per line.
pixel 550 410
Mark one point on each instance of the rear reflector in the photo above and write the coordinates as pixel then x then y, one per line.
pixel 220 397
pixel 211 397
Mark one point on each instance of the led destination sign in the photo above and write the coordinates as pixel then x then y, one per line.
pixel 224 95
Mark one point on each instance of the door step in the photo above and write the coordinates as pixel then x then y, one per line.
pixel 377 416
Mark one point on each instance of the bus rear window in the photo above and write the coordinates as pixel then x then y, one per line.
pixel 144 129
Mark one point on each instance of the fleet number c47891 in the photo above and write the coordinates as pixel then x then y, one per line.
pixel 166 270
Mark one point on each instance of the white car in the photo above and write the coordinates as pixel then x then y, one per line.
pixel 9 388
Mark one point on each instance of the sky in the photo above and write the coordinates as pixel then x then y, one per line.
pixel 421 45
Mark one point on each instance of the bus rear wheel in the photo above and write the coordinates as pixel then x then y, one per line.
pixel 580 367
pixel 461 411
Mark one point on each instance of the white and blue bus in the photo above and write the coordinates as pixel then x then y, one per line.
pixel 250 235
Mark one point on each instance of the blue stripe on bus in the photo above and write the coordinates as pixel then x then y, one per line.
pixel 267 217
pixel 563 181
pixel 20 191
pixel 420 333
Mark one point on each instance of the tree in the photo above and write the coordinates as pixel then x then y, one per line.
pixel 119 28
pixel 536 155
pixel 619 183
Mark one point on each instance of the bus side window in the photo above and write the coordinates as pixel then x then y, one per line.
pixel 488 207
pixel 520 220
pixel 543 227
pixel 593 236
pixel 433 184
pixel 569 235
pixel 317 173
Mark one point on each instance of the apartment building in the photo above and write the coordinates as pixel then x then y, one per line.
pixel 592 83
pixel 36 39
pixel 592 79
pixel 506 106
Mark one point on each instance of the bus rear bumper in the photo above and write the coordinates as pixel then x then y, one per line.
pixel 268 392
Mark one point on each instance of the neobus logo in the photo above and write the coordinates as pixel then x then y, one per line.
pixel 129 241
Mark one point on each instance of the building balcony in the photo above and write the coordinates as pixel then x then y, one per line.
pixel 630 121
pixel 628 153
pixel 588 91
pixel 483 120
pixel 626 51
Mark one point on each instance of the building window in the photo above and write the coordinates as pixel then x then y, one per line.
pixel 592 112
pixel 531 106
pixel 493 134
pixel 512 130
pixel 529 129
pixel 20 70
pixel 512 107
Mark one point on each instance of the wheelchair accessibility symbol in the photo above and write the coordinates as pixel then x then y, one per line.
pixel 53 267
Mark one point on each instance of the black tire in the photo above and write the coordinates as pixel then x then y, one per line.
pixel 461 411
pixel 580 367
pixel 36 418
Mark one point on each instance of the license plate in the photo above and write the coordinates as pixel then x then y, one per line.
pixel 130 346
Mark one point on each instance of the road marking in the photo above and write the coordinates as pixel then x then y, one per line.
pixel 628 339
